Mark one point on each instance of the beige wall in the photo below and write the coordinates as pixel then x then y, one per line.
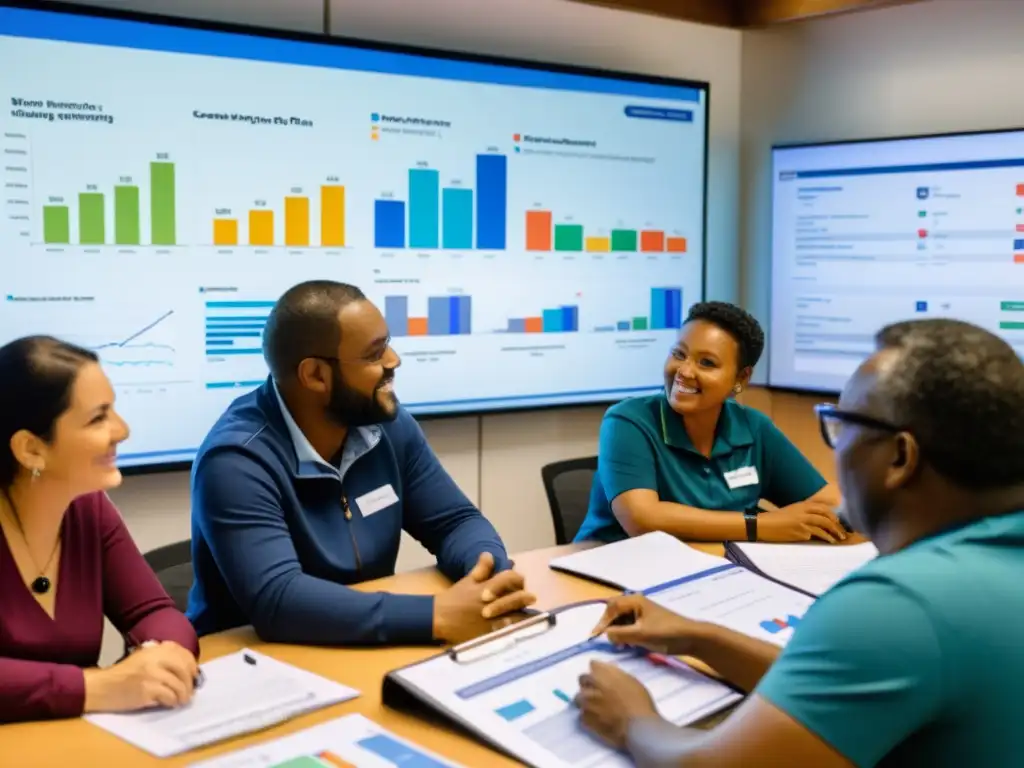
pixel 497 459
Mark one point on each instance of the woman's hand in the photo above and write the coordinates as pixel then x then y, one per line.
pixel 160 675
pixel 609 700
pixel 801 522
pixel 636 620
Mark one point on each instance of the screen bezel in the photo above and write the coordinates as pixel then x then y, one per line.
pixel 325 38
pixel 834 393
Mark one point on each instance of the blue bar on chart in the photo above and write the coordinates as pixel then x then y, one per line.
pixel 666 308
pixel 396 753
pixel 236 327
pixel 424 205
pixel 491 201
pixel 446 316
pixel 560 320
pixel 396 314
pixel 622 325
pixel 388 224
pixel 457 218
pixel 449 315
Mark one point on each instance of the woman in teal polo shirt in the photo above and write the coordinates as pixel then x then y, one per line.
pixel 695 463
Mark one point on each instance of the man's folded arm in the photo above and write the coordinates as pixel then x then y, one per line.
pixel 238 507
pixel 438 514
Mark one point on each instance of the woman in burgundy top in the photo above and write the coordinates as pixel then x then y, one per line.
pixel 66 558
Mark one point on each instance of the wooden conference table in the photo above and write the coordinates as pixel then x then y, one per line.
pixel 68 743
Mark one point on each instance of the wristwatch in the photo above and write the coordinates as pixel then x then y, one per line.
pixel 750 518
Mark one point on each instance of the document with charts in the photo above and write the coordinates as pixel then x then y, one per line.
pixel 348 742
pixel 515 689
pixel 242 692
pixel 694 584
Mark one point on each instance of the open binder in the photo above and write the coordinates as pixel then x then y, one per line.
pixel 809 568
pixel 695 584
pixel 514 688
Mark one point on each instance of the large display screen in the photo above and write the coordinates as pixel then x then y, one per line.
pixel 872 232
pixel 534 235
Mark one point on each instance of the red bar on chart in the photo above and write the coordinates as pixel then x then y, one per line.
pixel 652 241
pixel 1020 190
pixel 538 230
pixel 1018 258
pixel 676 245
pixel 922 233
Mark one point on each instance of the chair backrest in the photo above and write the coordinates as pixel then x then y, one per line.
pixel 172 565
pixel 567 484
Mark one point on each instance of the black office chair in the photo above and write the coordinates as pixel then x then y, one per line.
pixel 567 484
pixel 172 565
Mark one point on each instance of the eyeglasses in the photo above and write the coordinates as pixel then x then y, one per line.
pixel 374 357
pixel 831 420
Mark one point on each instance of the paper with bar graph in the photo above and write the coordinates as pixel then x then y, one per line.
pixel 532 237
pixel 516 692
pixel 348 742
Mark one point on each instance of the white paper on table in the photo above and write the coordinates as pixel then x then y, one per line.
pixel 810 567
pixel 639 563
pixel 236 697
pixel 353 740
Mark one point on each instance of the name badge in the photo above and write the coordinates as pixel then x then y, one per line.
pixel 742 477
pixel 374 501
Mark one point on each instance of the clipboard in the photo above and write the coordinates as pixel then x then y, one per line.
pixel 401 693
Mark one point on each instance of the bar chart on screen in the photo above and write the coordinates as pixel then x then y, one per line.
pixel 109 208
pixel 565 234
pixel 296 217
pixel 445 212
pixel 234 341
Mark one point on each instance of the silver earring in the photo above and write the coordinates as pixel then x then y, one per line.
pixel 35 473
pixel 737 389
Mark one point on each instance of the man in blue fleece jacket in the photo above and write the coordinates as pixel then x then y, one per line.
pixel 305 485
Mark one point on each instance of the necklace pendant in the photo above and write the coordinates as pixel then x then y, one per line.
pixel 41 585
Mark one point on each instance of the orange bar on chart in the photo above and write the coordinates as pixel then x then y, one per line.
pixel 598 244
pixel 333 760
pixel 676 245
pixel 332 216
pixel 417 326
pixel 1018 258
pixel 225 231
pixel 533 325
pixel 296 221
pixel 538 230
pixel 261 227
pixel 652 241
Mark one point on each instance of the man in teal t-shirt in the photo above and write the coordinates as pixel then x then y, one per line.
pixel 913 660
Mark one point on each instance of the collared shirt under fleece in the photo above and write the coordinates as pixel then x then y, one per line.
pixel 271 543
pixel 643 445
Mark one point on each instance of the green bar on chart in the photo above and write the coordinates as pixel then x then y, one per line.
pixel 91 219
pixel 126 216
pixel 56 225
pixel 162 203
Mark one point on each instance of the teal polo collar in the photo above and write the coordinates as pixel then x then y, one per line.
pixel 731 433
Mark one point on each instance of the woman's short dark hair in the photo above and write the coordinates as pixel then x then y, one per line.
pixel 37 374
pixel 738 323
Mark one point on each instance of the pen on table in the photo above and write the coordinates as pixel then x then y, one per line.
pixel 200 678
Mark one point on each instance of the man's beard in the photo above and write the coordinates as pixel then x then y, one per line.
pixel 350 408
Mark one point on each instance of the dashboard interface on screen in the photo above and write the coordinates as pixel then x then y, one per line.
pixel 533 237
pixel 870 233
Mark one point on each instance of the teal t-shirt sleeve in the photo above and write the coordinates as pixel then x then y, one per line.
pixel 787 476
pixel 862 671
pixel 625 458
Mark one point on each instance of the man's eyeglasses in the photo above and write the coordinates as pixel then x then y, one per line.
pixel 831 420
pixel 374 357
